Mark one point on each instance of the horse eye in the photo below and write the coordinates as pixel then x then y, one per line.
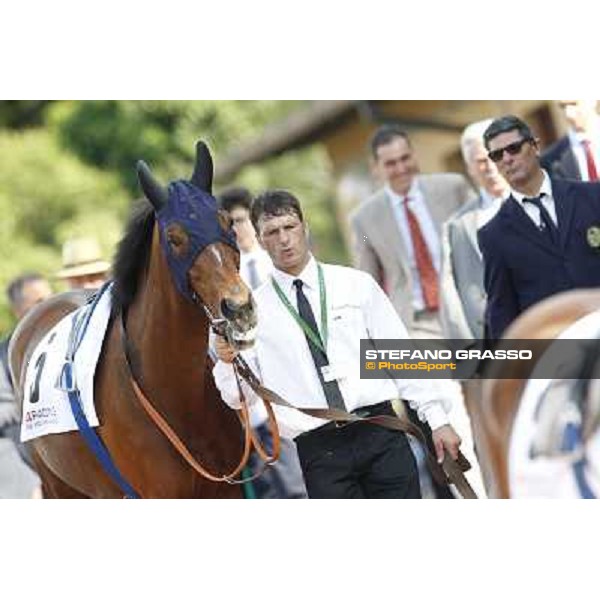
pixel 225 220
pixel 174 241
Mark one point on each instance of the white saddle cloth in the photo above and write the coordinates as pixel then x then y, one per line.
pixel 544 476
pixel 51 412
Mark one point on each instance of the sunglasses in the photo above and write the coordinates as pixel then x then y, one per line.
pixel 513 149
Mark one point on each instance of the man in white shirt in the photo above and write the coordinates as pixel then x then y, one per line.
pixel 284 478
pixel 311 319
pixel 577 154
pixel 255 264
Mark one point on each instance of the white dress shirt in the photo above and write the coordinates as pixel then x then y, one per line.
pixel 575 140
pixel 262 263
pixel 357 308
pixel 432 239
pixel 533 212
pixel 488 207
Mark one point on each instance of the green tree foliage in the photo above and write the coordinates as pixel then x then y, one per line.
pixel 68 167
pixel 18 114
pixel 307 174
pixel 115 134
pixel 47 194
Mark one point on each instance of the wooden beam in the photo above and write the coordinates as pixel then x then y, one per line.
pixel 294 131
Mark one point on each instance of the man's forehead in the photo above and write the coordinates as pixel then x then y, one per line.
pixel 397 145
pixel 34 291
pixel 477 150
pixel 267 221
pixel 505 138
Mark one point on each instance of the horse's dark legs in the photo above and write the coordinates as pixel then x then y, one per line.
pixel 52 486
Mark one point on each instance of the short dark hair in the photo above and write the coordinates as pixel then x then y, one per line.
pixel 385 134
pixel 504 125
pixel 14 289
pixel 235 196
pixel 274 203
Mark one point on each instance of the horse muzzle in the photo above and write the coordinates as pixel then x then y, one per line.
pixel 240 323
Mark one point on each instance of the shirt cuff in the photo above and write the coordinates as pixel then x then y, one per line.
pixel 224 376
pixel 436 417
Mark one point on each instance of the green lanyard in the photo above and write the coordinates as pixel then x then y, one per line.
pixel 314 336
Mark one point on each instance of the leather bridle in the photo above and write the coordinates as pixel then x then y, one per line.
pixel 250 438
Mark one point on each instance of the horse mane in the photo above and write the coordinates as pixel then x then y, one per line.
pixel 132 256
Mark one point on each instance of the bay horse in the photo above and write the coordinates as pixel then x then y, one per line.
pixel 176 267
pixel 494 403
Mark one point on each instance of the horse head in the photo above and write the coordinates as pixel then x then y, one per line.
pixel 200 248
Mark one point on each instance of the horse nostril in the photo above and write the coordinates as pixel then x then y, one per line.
pixel 231 310
pixel 228 308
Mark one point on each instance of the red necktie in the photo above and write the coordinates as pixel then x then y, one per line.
pixel 427 273
pixel 589 159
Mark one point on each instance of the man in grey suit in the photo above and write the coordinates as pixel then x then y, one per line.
pixel 397 239
pixel 463 297
pixel 397 232
pixel 462 291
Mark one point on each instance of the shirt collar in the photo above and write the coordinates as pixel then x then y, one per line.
pixel 576 137
pixel 309 277
pixel 413 193
pixel 545 188
pixel 486 198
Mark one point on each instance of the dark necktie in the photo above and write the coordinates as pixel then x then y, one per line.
pixel 330 388
pixel 428 276
pixel 589 160
pixel 548 228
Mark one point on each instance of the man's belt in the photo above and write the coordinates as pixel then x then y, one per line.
pixel 450 471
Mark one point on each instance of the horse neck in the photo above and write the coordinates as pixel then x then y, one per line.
pixel 169 333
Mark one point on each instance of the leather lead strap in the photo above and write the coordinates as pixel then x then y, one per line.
pixel 451 471
pixel 160 422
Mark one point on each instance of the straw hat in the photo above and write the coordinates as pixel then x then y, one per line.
pixel 82 256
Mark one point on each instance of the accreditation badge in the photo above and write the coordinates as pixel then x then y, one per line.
pixel 593 237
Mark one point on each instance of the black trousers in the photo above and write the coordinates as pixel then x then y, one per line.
pixel 358 460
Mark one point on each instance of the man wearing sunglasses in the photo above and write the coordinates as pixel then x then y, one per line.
pixel 545 238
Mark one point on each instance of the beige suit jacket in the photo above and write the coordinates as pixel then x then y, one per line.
pixel 377 245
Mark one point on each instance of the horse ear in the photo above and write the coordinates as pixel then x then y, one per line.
pixel 203 171
pixel 155 192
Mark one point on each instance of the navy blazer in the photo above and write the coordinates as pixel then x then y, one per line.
pixel 522 267
pixel 559 160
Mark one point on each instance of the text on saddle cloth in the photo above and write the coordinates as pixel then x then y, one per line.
pixel 65 359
